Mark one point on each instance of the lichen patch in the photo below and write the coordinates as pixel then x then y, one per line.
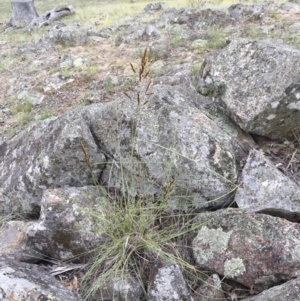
pixel 234 267
pixel 210 241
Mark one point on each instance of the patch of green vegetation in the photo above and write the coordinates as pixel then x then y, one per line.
pixel 292 39
pixel 195 69
pixel 65 72
pixel 92 70
pixel 2 67
pixel 44 115
pixel 254 32
pixel 275 15
pixel 217 39
pixel 10 132
pixel 25 107
pixel 176 40
pixel 108 86
pixel 23 118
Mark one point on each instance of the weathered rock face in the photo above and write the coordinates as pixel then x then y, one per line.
pixel 64 229
pixel 264 188
pixel 168 284
pixel 22 281
pixel 258 84
pixel 46 155
pixel 256 250
pixel 167 139
pixel 163 141
pixel 14 242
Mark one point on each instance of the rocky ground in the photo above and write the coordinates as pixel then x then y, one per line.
pixel 68 65
pixel 47 76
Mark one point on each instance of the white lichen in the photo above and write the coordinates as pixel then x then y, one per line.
pixel 234 267
pixel 210 242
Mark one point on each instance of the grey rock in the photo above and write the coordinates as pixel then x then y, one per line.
pixel 155 6
pixel 150 31
pixel 263 188
pixel 65 228
pixel 290 6
pixel 71 35
pixel 55 82
pixel 200 18
pixel 256 250
pixel 288 291
pixel 47 154
pixel 169 140
pixel 33 97
pixel 22 281
pixel 257 83
pixel 66 61
pixel 14 242
pixel 168 284
pixel 295 27
pixel 238 11
pixel 211 289
pixel 159 50
pixel 127 289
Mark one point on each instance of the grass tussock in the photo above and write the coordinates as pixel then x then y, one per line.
pixel 138 231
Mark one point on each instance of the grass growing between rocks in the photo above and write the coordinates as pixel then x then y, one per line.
pixel 139 230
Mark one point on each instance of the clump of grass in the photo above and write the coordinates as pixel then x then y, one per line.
pixel 254 32
pixel 23 118
pixel 275 15
pixel 25 107
pixel 195 69
pixel 217 39
pixel 92 70
pixel 137 230
pixel 46 114
pixel 65 72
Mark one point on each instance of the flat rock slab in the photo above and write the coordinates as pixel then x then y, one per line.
pixel 256 250
pixel 22 281
pixel 265 189
pixel 258 84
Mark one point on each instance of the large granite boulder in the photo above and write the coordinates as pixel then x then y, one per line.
pixel 170 139
pixel 257 82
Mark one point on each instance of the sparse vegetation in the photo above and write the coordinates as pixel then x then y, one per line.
pixel 44 115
